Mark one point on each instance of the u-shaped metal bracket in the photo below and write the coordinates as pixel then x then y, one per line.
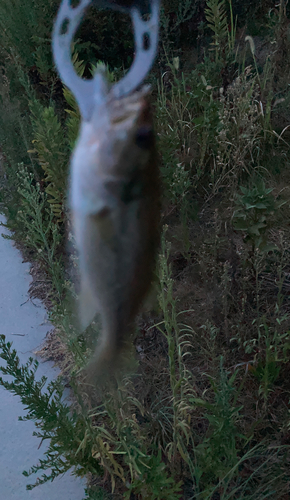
pixel 146 43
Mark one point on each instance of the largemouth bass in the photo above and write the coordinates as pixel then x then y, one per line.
pixel 114 197
pixel 114 181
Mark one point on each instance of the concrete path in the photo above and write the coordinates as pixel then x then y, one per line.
pixel 18 448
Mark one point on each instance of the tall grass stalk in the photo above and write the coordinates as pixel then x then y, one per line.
pixel 178 344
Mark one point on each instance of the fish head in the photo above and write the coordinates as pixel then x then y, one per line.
pixel 115 146
pixel 124 131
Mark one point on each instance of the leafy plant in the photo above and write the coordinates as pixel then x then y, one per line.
pixel 96 493
pixel 51 149
pixel 66 431
pixel 39 230
pixel 217 455
pixel 266 372
pixel 154 482
pixel 216 17
pixel 26 30
pixel 81 439
pixel 252 216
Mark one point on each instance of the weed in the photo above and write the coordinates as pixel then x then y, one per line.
pixel 95 493
pixel 217 454
pixel 41 233
pixel 252 214
pixel 217 21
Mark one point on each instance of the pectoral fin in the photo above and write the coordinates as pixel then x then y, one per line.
pixel 105 226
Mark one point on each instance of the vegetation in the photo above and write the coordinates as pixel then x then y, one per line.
pixel 206 414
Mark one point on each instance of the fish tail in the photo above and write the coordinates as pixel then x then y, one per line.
pixel 108 356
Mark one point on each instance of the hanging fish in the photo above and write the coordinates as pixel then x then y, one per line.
pixel 114 185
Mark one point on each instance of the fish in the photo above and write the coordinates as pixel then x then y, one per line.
pixel 115 204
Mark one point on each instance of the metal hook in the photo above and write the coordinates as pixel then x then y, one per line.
pixel 146 42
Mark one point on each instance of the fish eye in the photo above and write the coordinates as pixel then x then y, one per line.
pixel 144 137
